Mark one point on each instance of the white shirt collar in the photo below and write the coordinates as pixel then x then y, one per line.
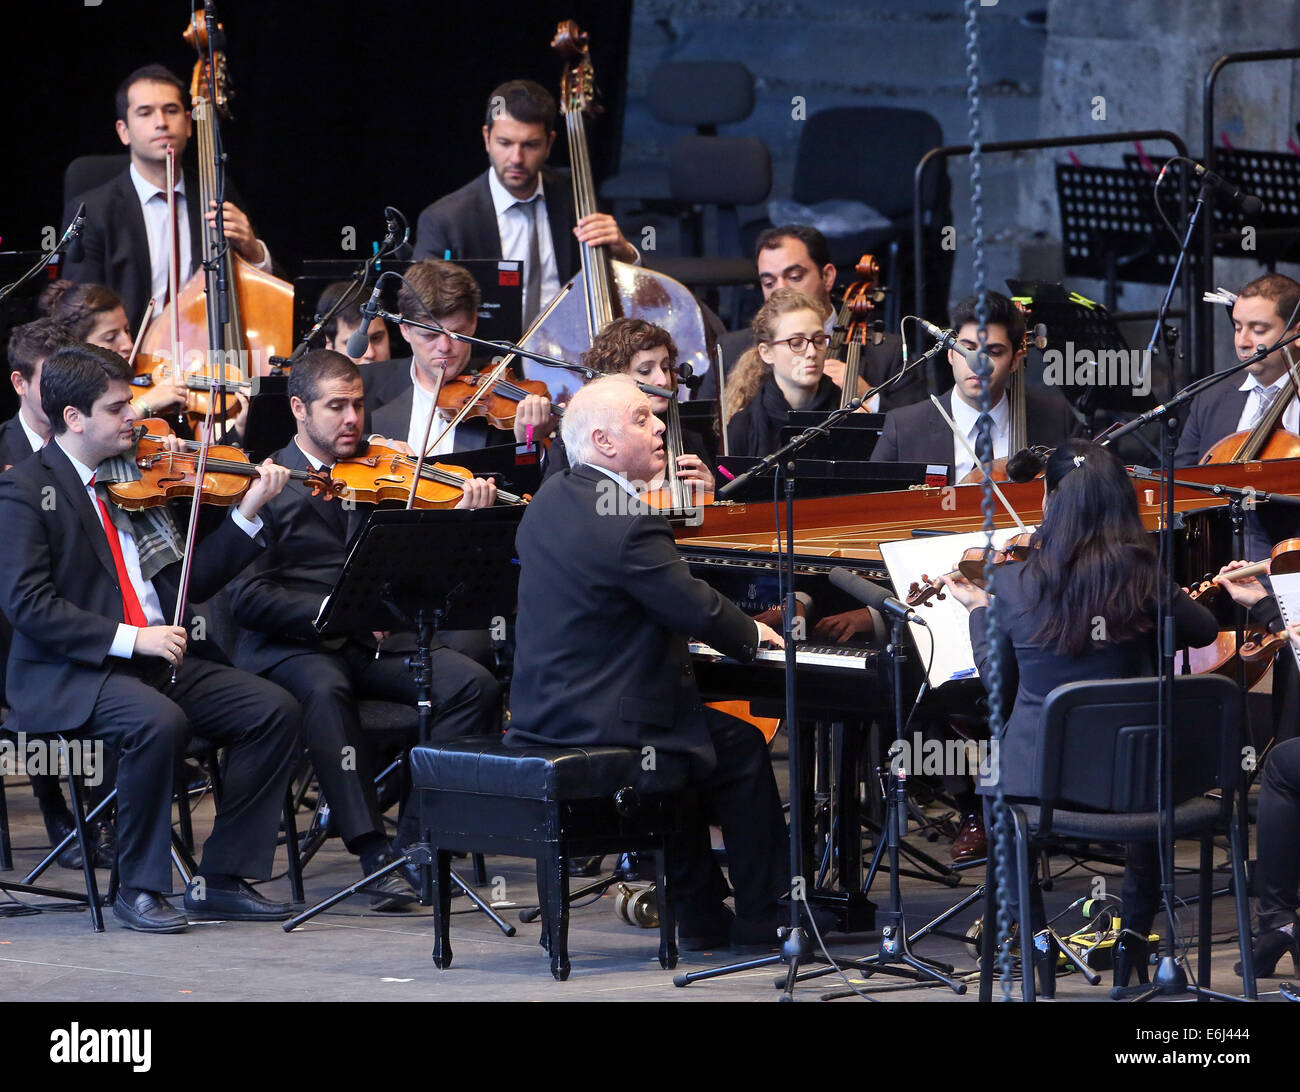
pixel 84 472
pixel 503 199
pixel 966 416
pixel 316 464
pixel 1253 381
pixel 146 189
pixel 622 481
pixel 34 438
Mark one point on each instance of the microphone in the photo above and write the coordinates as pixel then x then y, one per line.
pixel 873 595
pixel 76 249
pixel 948 340
pixel 360 338
pixel 1247 202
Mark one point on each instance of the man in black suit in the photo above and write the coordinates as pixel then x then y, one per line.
pixel 278 599
pixel 89 590
pixel 28 430
pixel 516 209
pixel 606 661
pixel 918 434
pixel 125 240
pixel 399 393
pixel 1259 318
pixel 797 256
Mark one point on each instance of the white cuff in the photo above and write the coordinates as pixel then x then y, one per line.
pixel 123 645
pixel 251 527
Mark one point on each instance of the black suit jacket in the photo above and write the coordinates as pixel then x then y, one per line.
pixel 116 243
pixel 917 434
pixel 393 420
pixel 1030 673
pixel 605 606
pixel 59 589
pixel 14 447
pixel 1212 415
pixel 277 599
pixel 464 224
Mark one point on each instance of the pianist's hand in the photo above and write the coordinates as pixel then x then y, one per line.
pixel 839 628
pixel 768 636
pixel 1294 634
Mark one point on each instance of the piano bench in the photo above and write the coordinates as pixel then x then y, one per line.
pixel 548 803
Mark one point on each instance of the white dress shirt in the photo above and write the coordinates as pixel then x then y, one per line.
pixel 421 404
pixel 33 437
pixel 512 227
pixel 966 418
pixel 153 203
pixel 1251 411
pixel 124 640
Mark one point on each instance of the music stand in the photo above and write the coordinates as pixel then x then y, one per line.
pixel 397 574
pixel 270 423
pixel 854 438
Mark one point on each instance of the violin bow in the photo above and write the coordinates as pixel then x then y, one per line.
pixel 139 333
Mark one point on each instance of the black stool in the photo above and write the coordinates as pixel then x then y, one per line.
pixel 548 803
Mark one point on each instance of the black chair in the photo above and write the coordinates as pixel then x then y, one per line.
pixel 548 803
pixel 87 172
pixel 869 154
pixel 1097 757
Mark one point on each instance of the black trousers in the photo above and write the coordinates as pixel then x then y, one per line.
pixel 149 720
pixel 1277 874
pixel 329 684
pixel 741 796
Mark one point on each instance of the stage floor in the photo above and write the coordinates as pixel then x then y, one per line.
pixel 351 954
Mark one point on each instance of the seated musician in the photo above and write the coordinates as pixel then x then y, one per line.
pixel 647 353
pixel 1094 559
pixel 278 599
pixel 607 661
pixel 89 590
pixel 399 393
pixel 517 209
pixel 1277 882
pixel 344 324
pixel 797 256
pixel 95 314
pixel 785 371
pixel 1259 318
pixel 919 434
pixel 125 238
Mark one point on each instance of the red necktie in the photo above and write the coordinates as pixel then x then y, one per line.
pixel 133 613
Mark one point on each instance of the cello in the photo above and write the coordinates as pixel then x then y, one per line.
pixel 852 326
pixel 259 319
pixel 605 288
pixel 1268 439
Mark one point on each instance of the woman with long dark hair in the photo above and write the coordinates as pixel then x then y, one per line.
pixel 1083 606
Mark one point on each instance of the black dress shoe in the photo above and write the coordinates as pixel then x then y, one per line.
pixel 1267 952
pixel 104 839
pixel 58 826
pixel 237 902
pixel 395 892
pixel 1132 956
pixel 147 912
pixel 708 932
pixel 585 866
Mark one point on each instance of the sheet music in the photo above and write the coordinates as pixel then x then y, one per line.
pixel 907 559
pixel 1286 587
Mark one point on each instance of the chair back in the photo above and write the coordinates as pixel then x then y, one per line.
pixel 729 171
pixel 704 94
pixel 88 171
pixel 1100 743
pixel 868 154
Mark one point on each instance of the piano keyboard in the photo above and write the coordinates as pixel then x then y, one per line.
pixel 835 656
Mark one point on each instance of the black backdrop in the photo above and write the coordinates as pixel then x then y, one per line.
pixel 341 107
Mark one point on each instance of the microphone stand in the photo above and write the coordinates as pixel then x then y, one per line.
pixel 73 231
pixel 795 946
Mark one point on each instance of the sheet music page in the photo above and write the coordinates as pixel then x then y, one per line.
pixel 1286 587
pixel 907 561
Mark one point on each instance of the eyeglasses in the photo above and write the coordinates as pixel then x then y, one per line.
pixel 799 343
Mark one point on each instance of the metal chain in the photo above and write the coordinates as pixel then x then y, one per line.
pixel 984 448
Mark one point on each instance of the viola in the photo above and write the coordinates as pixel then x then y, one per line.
pixel 385 474
pixel 169 475
pixel 971 567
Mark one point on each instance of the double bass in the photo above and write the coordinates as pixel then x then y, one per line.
pixel 259 319
pixel 606 288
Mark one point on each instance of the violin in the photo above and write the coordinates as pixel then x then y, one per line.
pixel 971 566
pixel 1285 558
pixel 169 475
pixel 498 405
pixel 385 474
